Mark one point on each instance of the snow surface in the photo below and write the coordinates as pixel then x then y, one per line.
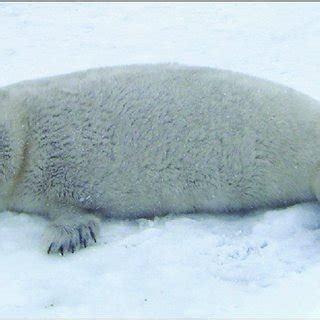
pixel 263 264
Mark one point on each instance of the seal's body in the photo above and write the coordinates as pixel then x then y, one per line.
pixel 147 140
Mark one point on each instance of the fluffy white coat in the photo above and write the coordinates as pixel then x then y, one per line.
pixel 147 140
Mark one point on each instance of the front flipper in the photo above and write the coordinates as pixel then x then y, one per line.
pixel 71 232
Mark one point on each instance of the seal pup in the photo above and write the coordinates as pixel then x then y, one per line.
pixel 146 140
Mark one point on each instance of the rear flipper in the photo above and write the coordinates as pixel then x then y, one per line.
pixel 72 231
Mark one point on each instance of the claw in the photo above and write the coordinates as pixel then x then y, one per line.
pixel 80 237
pixel 50 247
pixel 71 247
pixel 92 235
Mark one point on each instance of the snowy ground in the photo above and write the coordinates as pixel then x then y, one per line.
pixel 265 264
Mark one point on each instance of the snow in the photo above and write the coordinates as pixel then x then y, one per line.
pixel 261 264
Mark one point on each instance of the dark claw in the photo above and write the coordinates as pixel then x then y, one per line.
pixel 50 247
pixel 83 241
pixel 61 250
pixel 80 236
pixel 71 247
pixel 92 235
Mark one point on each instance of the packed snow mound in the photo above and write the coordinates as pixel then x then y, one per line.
pixel 254 264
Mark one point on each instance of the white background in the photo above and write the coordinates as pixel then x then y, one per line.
pixel 265 264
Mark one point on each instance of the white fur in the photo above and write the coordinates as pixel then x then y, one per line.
pixel 146 140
